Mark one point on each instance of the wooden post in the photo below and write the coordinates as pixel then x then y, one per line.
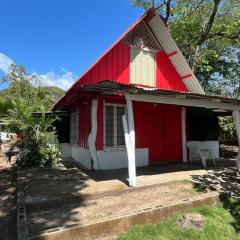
pixel 184 139
pixel 129 134
pixel 93 134
pixel 131 122
pixel 130 154
pixel 236 118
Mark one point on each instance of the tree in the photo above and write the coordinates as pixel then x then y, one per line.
pixel 28 86
pixel 5 105
pixel 208 34
pixel 36 137
pixel 36 141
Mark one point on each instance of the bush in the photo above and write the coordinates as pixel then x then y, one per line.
pixel 37 142
pixel 39 156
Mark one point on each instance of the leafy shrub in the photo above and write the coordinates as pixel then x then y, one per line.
pixel 37 142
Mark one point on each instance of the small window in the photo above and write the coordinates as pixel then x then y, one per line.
pixel 74 124
pixel 113 127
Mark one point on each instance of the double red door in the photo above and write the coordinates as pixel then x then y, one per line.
pixel 165 122
pixel 160 131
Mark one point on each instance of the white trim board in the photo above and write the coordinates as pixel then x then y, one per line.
pixel 182 101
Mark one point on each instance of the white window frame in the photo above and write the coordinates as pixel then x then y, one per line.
pixel 74 127
pixel 115 146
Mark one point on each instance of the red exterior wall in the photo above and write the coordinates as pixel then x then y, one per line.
pixel 166 74
pixel 113 66
pixel 84 108
pixel 99 140
pixel 85 119
pixel 158 128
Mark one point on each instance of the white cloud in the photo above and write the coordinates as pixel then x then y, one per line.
pixel 5 62
pixel 64 79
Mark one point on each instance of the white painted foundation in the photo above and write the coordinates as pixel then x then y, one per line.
pixel 66 150
pixel 213 145
pixel 116 159
pixel 108 159
pixel 80 155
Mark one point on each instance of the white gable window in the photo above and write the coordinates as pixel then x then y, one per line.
pixel 142 67
pixel 113 127
pixel 74 127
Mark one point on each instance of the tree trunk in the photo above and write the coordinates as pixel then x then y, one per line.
pixel 204 34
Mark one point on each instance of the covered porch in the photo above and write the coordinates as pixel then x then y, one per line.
pixel 156 96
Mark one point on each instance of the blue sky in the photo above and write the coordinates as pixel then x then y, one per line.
pixel 60 39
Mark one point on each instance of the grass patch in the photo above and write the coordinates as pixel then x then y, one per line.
pixel 219 224
pixel 188 187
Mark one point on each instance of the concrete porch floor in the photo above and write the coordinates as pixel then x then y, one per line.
pixel 70 180
pixel 159 173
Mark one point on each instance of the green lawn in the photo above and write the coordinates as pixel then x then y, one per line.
pixel 219 223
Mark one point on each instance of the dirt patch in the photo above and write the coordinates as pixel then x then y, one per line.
pixel 188 220
pixel 87 211
pixel 8 230
pixel 228 151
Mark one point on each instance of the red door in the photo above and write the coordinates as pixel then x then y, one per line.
pixel 158 128
pixel 167 134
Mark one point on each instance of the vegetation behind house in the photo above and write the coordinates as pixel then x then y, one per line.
pixel 36 138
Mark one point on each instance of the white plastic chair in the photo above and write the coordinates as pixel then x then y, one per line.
pixel 197 154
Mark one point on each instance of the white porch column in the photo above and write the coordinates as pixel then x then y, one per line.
pixel 184 139
pixel 129 134
pixel 131 122
pixel 93 134
pixel 236 118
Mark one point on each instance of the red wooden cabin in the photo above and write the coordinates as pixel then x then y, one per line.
pixel 145 68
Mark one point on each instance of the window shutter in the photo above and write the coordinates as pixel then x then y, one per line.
pixel 142 67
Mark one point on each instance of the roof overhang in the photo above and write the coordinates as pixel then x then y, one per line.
pixel 153 95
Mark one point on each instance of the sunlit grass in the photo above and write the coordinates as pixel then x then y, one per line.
pixel 219 224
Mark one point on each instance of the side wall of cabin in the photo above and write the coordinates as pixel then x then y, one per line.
pixel 79 129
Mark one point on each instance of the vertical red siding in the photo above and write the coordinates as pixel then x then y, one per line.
pixel 99 140
pixel 113 66
pixel 84 123
pixel 158 128
pixel 166 74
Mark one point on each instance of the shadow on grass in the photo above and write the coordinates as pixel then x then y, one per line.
pixel 233 206
pixel 224 180
pixel 227 182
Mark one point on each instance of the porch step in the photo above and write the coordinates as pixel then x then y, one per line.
pixel 107 228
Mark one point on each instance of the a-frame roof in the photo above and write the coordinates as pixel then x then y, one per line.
pixel 156 27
